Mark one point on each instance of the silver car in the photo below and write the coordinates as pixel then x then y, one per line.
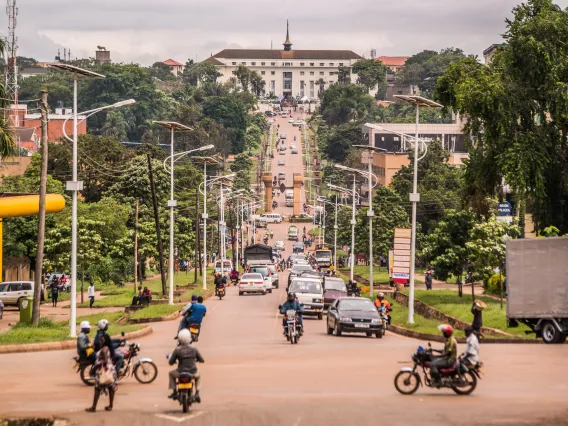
pixel 11 292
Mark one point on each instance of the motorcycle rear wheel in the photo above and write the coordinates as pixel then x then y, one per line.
pixel 403 382
pixel 185 402
pixel 85 373
pixel 472 384
pixel 146 372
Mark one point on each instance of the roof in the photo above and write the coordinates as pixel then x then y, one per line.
pixel 493 47
pixel 173 63
pixel 34 70
pixel 393 61
pixel 282 54
pixel 213 61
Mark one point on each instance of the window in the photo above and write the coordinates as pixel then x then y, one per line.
pixel 15 287
pixel 321 73
pixel 302 87
pixel 301 64
pixel 331 64
pixel 311 64
pixel 301 72
pixel 312 85
pixel 331 73
pixel 243 63
pixel 262 72
pixel 322 64
pixel 263 63
pixel 287 64
pixel 234 63
pixel 26 286
pixel 341 64
pixel 311 73
pixel 272 72
pixel 273 63
pixel 273 86
pixel 253 63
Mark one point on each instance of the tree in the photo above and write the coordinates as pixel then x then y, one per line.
pixel 116 125
pixel 231 114
pixel 321 84
pixel 370 73
pixel 243 75
pixel 161 71
pixel 517 114
pixel 200 73
pixel 341 139
pixel 445 245
pixel 343 75
pixel 344 103
pixel 257 83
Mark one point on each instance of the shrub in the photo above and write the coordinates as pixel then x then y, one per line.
pixel 493 285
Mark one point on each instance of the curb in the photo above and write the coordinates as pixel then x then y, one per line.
pixel 67 344
pixel 169 317
pixel 434 338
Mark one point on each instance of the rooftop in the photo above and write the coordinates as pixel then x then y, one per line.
pixel 282 54
pixel 393 61
pixel 172 63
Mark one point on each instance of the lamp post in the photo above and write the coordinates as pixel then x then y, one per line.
pixel 75 186
pixel 417 101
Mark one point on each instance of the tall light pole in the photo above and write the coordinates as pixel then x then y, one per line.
pixel 74 186
pixel 370 212
pixel 414 197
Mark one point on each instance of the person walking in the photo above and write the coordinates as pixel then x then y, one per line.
pixel 476 310
pixel 106 380
pixel 428 277
pixel 91 294
pixel 54 294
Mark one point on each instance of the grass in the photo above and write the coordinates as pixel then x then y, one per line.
pixel 451 304
pixel 155 311
pixel 50 331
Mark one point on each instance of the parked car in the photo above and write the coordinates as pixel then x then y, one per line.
pixel 354 315
pixel 333 289
pixel 282 152
pixel 252 283
pixel 11 292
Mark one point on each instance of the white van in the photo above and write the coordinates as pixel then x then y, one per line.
pixel 227 266
pixel 289 193
pixel 12 291
pixel 309 291
pixel 271 217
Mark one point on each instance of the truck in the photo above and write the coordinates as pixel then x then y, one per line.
pixel 258 254
pixel 537 286
pixel 293 233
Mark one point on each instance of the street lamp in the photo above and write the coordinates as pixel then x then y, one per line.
pixel 417 101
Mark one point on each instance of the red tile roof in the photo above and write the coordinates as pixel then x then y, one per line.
pixel 172 63
pixel 393 61
pixel 281 54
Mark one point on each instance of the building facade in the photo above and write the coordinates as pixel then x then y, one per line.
pixel 175 66
pixel 287 72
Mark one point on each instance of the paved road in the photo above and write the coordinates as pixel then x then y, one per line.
pixel 252 376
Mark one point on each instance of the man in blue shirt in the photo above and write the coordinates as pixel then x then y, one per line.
pixel 292 304
pixel 194 315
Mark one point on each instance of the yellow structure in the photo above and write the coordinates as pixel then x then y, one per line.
pixel 267 179
pixel 26 205
pixel 298 181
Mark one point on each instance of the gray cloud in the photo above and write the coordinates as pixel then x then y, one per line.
pixel 150 30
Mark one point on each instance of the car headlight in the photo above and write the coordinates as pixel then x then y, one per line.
pixel 376 321
pixel 317 300
pixel 344 319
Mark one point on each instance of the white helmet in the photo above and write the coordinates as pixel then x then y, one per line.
pixel 102 324
pixel 184 336
pixel 85 325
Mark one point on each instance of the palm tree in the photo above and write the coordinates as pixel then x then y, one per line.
pixel 7 138
pixel 116 125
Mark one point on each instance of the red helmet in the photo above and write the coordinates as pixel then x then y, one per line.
pixel 446 330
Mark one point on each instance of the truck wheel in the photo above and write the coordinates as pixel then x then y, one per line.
pixel 550 334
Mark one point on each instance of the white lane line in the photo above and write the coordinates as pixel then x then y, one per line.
pixel 180 419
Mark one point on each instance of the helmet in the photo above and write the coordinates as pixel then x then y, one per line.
pixel 85 325
pixel 184 336
pixel 291 297
pixel 381 296
pixel 102 325
pixel 446 330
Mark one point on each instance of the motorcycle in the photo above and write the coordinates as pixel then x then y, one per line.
pixel 293 331
pixel 234 281
pixel 384 316
pixel 459 377
pixel 184 394
pixel 220 291
pixel 194 329
pixel 274 204
pixel 143 369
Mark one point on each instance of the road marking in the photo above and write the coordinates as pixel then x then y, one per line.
pixel 180 419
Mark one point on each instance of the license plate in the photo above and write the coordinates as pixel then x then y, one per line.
pixel 194 330
pixel 361 325
pixel 307 307
pixel 250 283
pixel 185 385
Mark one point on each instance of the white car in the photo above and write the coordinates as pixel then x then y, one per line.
pixel 12 291
pixel 279 244
pixel 309 292
pixel 282 152
pixel 293 151
pixel 291 120
pixel 293 146
pixel 281 162
pixel 273 276
pixel 252 283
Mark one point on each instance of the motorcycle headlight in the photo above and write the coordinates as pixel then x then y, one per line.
pixel 376 321
pixel 344 319
pixel 138 346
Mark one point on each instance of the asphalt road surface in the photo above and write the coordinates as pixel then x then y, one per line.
pixel 253 376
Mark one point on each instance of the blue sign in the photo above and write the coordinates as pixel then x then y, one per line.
pixel 504 209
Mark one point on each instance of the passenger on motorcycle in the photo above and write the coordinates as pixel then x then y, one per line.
pixel 194 315
pixel 381 301
pixel 117 357
pixel 186 356
pixel 448 355
pixel 292 304
pixel 235 275
pixel 219 280
pixel 471 355
pixel 85 349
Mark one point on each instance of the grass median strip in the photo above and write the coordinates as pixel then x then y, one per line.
pixel 155 311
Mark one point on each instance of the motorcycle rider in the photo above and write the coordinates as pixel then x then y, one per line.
pixel 117 357
pixel 448 355
pixel 194 315
pixel 84 347
pixel 218 282
pixel 381 301
pixel 235 275
pixel 292 304
pixel 471 355
pixel 186 356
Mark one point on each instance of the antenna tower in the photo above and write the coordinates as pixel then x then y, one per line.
pixel 10 57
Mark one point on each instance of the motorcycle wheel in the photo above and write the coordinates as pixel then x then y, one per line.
pixel 146 372
pixel 220 297
pixel 185 402
pixel 86 378
pixel 403 382
pixel 470 387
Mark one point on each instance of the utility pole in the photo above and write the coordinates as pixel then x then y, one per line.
pixel 157 219
pixel 38 276
pixel 197 242
pixel 136 248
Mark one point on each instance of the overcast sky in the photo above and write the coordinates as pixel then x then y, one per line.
pixel 145 31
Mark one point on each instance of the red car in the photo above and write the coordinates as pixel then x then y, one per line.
pixel 333 288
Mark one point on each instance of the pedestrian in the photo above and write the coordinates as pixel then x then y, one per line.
pixel 91 294
pixel 42 294
pixel 106 380
pixel 428 277
pixel 54 294
pixel 1 309
pixel 477 309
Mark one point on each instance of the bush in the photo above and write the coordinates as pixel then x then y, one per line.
pixel 493 285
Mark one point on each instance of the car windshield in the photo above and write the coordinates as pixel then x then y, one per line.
pixel 261 270
pixel 337 285
pixel 226 265
pixel 272 269
pixel 357 305
pixel 251 277
pixel 305 287
pixel 298 267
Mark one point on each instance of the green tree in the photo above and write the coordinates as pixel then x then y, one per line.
pixel 243 75
pixel 257 83
pixel 116 125
pixel 231 114
pixel 161 71
pixel 370 73
pixel 341 139
pixel 344 103
pixel 200 73
pixel 343 75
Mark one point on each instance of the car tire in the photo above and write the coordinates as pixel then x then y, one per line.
pixel 263 293
pixel 379 334
pixel 241 293
pixel 320 316
pixel 337 330
pixel 329 329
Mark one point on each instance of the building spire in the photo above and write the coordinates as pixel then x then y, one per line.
pixel 287 43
